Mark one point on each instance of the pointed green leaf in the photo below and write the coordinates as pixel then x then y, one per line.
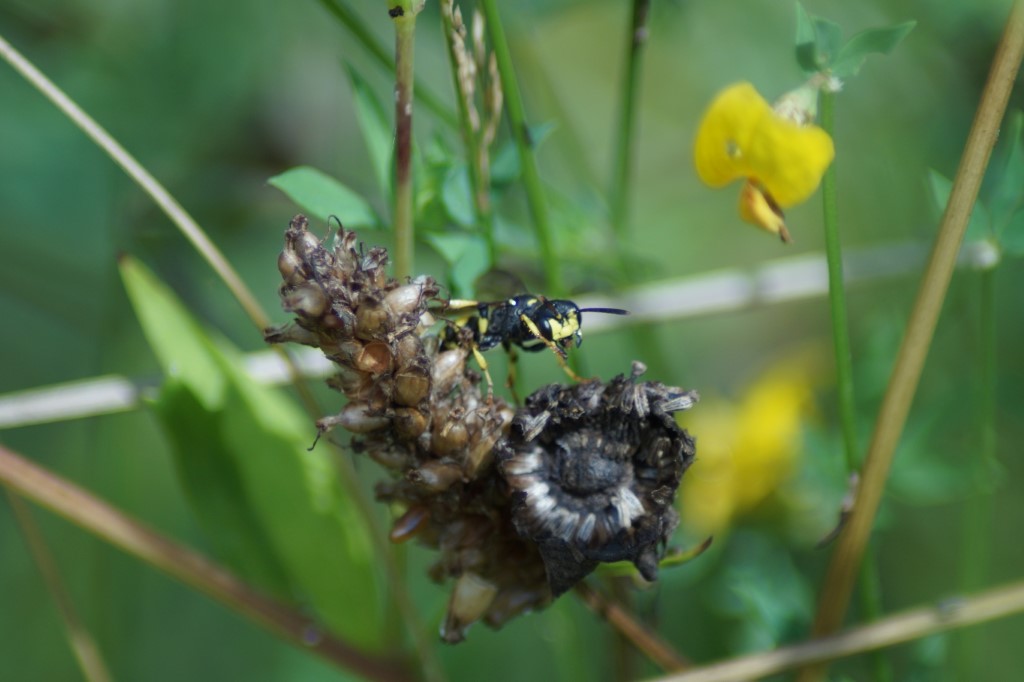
pixel 467 256
pixel 172 334
pixel 817 41
pixel 320 195
pixel 458 197
pixel 378 132
pixel 872 41
pixel 242 452
pixel 210 478
pixel 315 528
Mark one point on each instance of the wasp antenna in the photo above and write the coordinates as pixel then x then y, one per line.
pixel 610 311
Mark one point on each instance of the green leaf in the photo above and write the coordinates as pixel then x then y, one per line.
pixel 261 496
pixel 1007 195
pixel 173 334
pixel 505 164
pixel 322 196
pixel 980 225
pixel 457 196
pixel 315 528
pixel 378 133
pixel 872 41
pixel 817 41
pixel 211 480
pixel 467 256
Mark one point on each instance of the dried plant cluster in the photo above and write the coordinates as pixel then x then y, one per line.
pixel 520 505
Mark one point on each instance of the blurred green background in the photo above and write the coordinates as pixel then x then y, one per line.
pixel 216 97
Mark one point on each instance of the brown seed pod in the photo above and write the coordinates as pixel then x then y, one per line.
pixel 593 469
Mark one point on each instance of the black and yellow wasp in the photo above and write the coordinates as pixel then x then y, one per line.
pixel 525 321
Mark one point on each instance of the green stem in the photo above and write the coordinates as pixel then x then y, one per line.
pixel 868 579
pixel 362 33
pixel 837 297
pixel 472 136
pixel 846 558
pixel 976 543
pixel 527 159
pixel 405 36
pixel 618 193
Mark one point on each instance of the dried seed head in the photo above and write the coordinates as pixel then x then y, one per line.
pixel 584 474
pixel 593 469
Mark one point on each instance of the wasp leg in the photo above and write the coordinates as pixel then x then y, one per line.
pixel 487 374
pixel 559 353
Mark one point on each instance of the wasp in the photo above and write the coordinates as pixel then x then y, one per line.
pixel 525 321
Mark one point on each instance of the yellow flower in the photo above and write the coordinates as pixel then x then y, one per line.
pixel 746 451
pixel 782 159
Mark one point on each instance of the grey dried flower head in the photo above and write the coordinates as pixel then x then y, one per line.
pixel 593 470
pixel 588 472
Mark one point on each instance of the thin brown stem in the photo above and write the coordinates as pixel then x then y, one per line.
pixel 846 560
pixel 403 13
pixel 650 644
pixel 903 627
pixel 193 569
pixel 83 645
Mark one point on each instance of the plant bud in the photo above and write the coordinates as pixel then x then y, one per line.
pixel 410 351
pixel 373 321
pixel 436 476
pixel 359 418
pixel 290 267
pixel 409 524
pixel 447 369
pixel 375 358
pixel 448 438
pixel 411 388
pixel 409 423
pixel 471 597
pixel 405 298
pixel 307 300
pixel 396 459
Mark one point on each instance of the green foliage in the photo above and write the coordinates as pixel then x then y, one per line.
pixel 377 130
pixel 819 46
pixel 272 508
pixel 998 214
pixel 320 195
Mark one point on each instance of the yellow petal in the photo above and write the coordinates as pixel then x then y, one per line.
pixel 725 132
pixel 788 159
pixel 759 209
